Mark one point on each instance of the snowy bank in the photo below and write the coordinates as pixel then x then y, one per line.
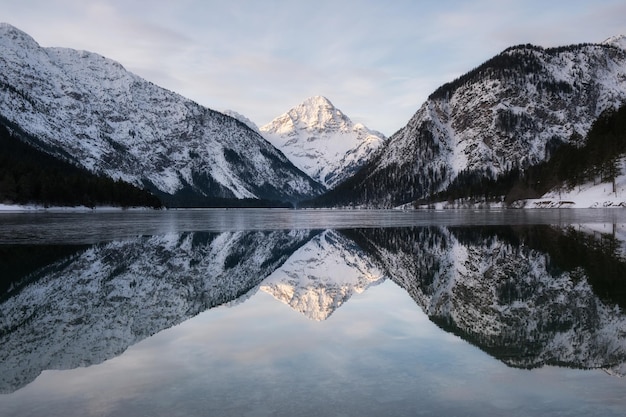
pixel 588 195
pixel 584 196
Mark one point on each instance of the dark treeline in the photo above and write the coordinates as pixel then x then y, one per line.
pixel 31 176
pixel 569 166
pixel 596 161
pixel 477 186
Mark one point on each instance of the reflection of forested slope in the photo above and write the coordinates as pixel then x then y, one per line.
pixel 19 261
pixel 569 249
pixel 599 255
pixel 91 307
pixel 521 304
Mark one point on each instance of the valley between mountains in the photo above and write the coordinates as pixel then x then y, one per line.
pixel 528 123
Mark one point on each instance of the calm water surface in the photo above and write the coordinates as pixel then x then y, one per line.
pixel 309 313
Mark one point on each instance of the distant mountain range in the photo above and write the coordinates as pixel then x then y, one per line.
pixel 510 113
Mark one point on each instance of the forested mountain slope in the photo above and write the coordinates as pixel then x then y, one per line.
pixel 509 113
pixel 89 110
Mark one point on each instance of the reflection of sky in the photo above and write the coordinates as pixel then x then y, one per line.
pixel 376 355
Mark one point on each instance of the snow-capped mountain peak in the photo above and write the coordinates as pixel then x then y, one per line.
pixel 315 114
pixel 617 40
pixel 318 113
pixel 322 141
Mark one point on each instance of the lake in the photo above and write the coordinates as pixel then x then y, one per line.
pixel 313 313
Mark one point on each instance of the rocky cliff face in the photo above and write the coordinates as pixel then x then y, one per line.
pixel 510 112
pixel 322 141
pixel 88 109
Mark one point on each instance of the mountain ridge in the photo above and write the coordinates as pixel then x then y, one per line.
pixel 110 121
pixel 510 112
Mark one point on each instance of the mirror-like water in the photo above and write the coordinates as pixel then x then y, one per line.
pixel 280 312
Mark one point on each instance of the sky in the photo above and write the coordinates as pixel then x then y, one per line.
pixel 377 61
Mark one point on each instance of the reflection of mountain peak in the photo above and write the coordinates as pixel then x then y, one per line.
pixel 527 296
pixel 322 275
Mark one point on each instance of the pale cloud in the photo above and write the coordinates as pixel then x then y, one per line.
pixel 376 61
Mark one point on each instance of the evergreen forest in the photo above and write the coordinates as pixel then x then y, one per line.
pixel 31 176
pixel 596 161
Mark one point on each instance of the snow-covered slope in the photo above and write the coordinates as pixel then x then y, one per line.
pixel 322 275
pixel 322 141
pixel 90 110
pixel 617 41
pixel 589 195
pixel 93 306
pixel 243 119
pixel 511 111
pixel 522 305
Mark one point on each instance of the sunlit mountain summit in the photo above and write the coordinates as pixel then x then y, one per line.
pixel 322 141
